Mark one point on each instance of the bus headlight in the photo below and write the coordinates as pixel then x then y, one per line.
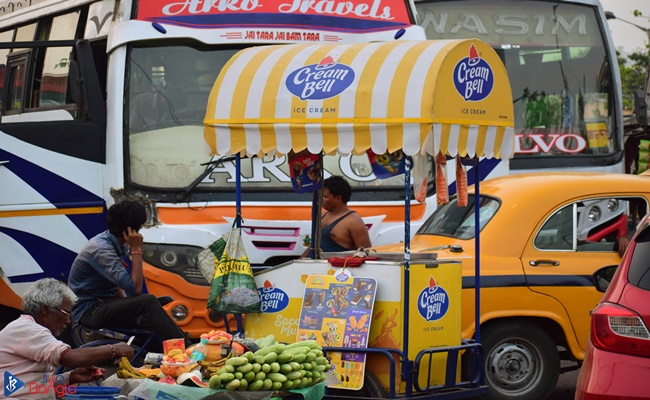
pixel 594 214
pixel 179 312
pixel 612 205
pixel 169 259
pixel 177 259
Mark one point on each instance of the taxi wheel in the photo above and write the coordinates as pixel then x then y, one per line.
pixel 521 362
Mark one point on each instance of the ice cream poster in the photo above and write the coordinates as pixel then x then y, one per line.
pixel 337 313
pixel 305 172
pixel 388 164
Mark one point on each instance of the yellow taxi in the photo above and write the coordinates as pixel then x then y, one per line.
pixel 542 237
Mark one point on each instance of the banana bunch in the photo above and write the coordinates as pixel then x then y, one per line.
pixel 126 370
pixel 210 368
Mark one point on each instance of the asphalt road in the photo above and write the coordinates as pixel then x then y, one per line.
pixel 566 385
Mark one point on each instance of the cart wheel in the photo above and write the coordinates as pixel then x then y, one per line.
pixel 521 362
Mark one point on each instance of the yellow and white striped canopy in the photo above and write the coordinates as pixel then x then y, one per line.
pixel 449 96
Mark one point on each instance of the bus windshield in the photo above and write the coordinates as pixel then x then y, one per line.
pixel 559 70
pixel 168 90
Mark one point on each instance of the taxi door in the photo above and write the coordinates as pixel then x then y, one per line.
pixel 574 241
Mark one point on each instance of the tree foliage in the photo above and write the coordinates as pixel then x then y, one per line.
pixel 633 75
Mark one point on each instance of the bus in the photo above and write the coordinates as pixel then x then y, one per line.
pixel 563 72
pixel 104 100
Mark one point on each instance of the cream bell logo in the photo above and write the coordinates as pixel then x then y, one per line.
pixel 473 77
pixel 272 299
pixel 320 81
pixel 433 301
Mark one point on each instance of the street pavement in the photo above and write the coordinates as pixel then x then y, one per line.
pixel 566 385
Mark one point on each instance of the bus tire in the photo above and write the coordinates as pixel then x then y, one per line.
pixel 521 362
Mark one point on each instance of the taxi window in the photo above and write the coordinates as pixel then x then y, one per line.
pixel 557 232
pixel 591 224
pixel 452 220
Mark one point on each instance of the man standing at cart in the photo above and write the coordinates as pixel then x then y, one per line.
pixel 344 229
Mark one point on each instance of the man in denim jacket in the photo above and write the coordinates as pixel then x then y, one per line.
pixel 109 295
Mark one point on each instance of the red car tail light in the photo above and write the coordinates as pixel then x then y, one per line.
pixel 619 330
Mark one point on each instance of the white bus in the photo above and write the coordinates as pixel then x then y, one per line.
pixel 105 100
pixel 563 72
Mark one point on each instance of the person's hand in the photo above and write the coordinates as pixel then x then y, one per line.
pixel 123 350
pixel 86 374
pixel 622 243
pixel 121 293
pixel 133 239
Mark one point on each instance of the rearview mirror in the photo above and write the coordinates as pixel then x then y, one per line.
pixel 603 277
pixel 640 108
pixel 74 83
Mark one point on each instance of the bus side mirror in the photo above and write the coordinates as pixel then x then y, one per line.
pixel 74 84
pixel 640 108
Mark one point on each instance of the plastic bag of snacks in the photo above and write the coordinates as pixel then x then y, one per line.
pixel 233 288
pixel 208 259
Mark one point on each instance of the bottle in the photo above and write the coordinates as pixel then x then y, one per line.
pixel 200 350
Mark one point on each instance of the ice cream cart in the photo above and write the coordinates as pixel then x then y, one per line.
pixel 423 97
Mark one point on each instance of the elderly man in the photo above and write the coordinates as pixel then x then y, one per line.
pixel 30 352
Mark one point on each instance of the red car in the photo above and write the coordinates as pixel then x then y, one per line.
pixel 617 362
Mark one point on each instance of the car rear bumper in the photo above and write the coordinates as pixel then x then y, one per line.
pixel 606 376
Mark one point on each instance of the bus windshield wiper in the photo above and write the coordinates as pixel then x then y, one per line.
pixel 211 165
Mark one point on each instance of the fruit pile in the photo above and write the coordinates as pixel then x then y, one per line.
pixel 273 367
pixel 176 356
pixel 209 368
pixel 126 371
pixel 217 335
pixel 175 363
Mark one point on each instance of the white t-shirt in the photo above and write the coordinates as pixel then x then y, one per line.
pixel 28 351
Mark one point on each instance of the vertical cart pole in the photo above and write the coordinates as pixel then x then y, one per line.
pixel 314 222
pixel 406 362
pixel 316 208
pixel 477 252
pixel 238 191
pixel 238 317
